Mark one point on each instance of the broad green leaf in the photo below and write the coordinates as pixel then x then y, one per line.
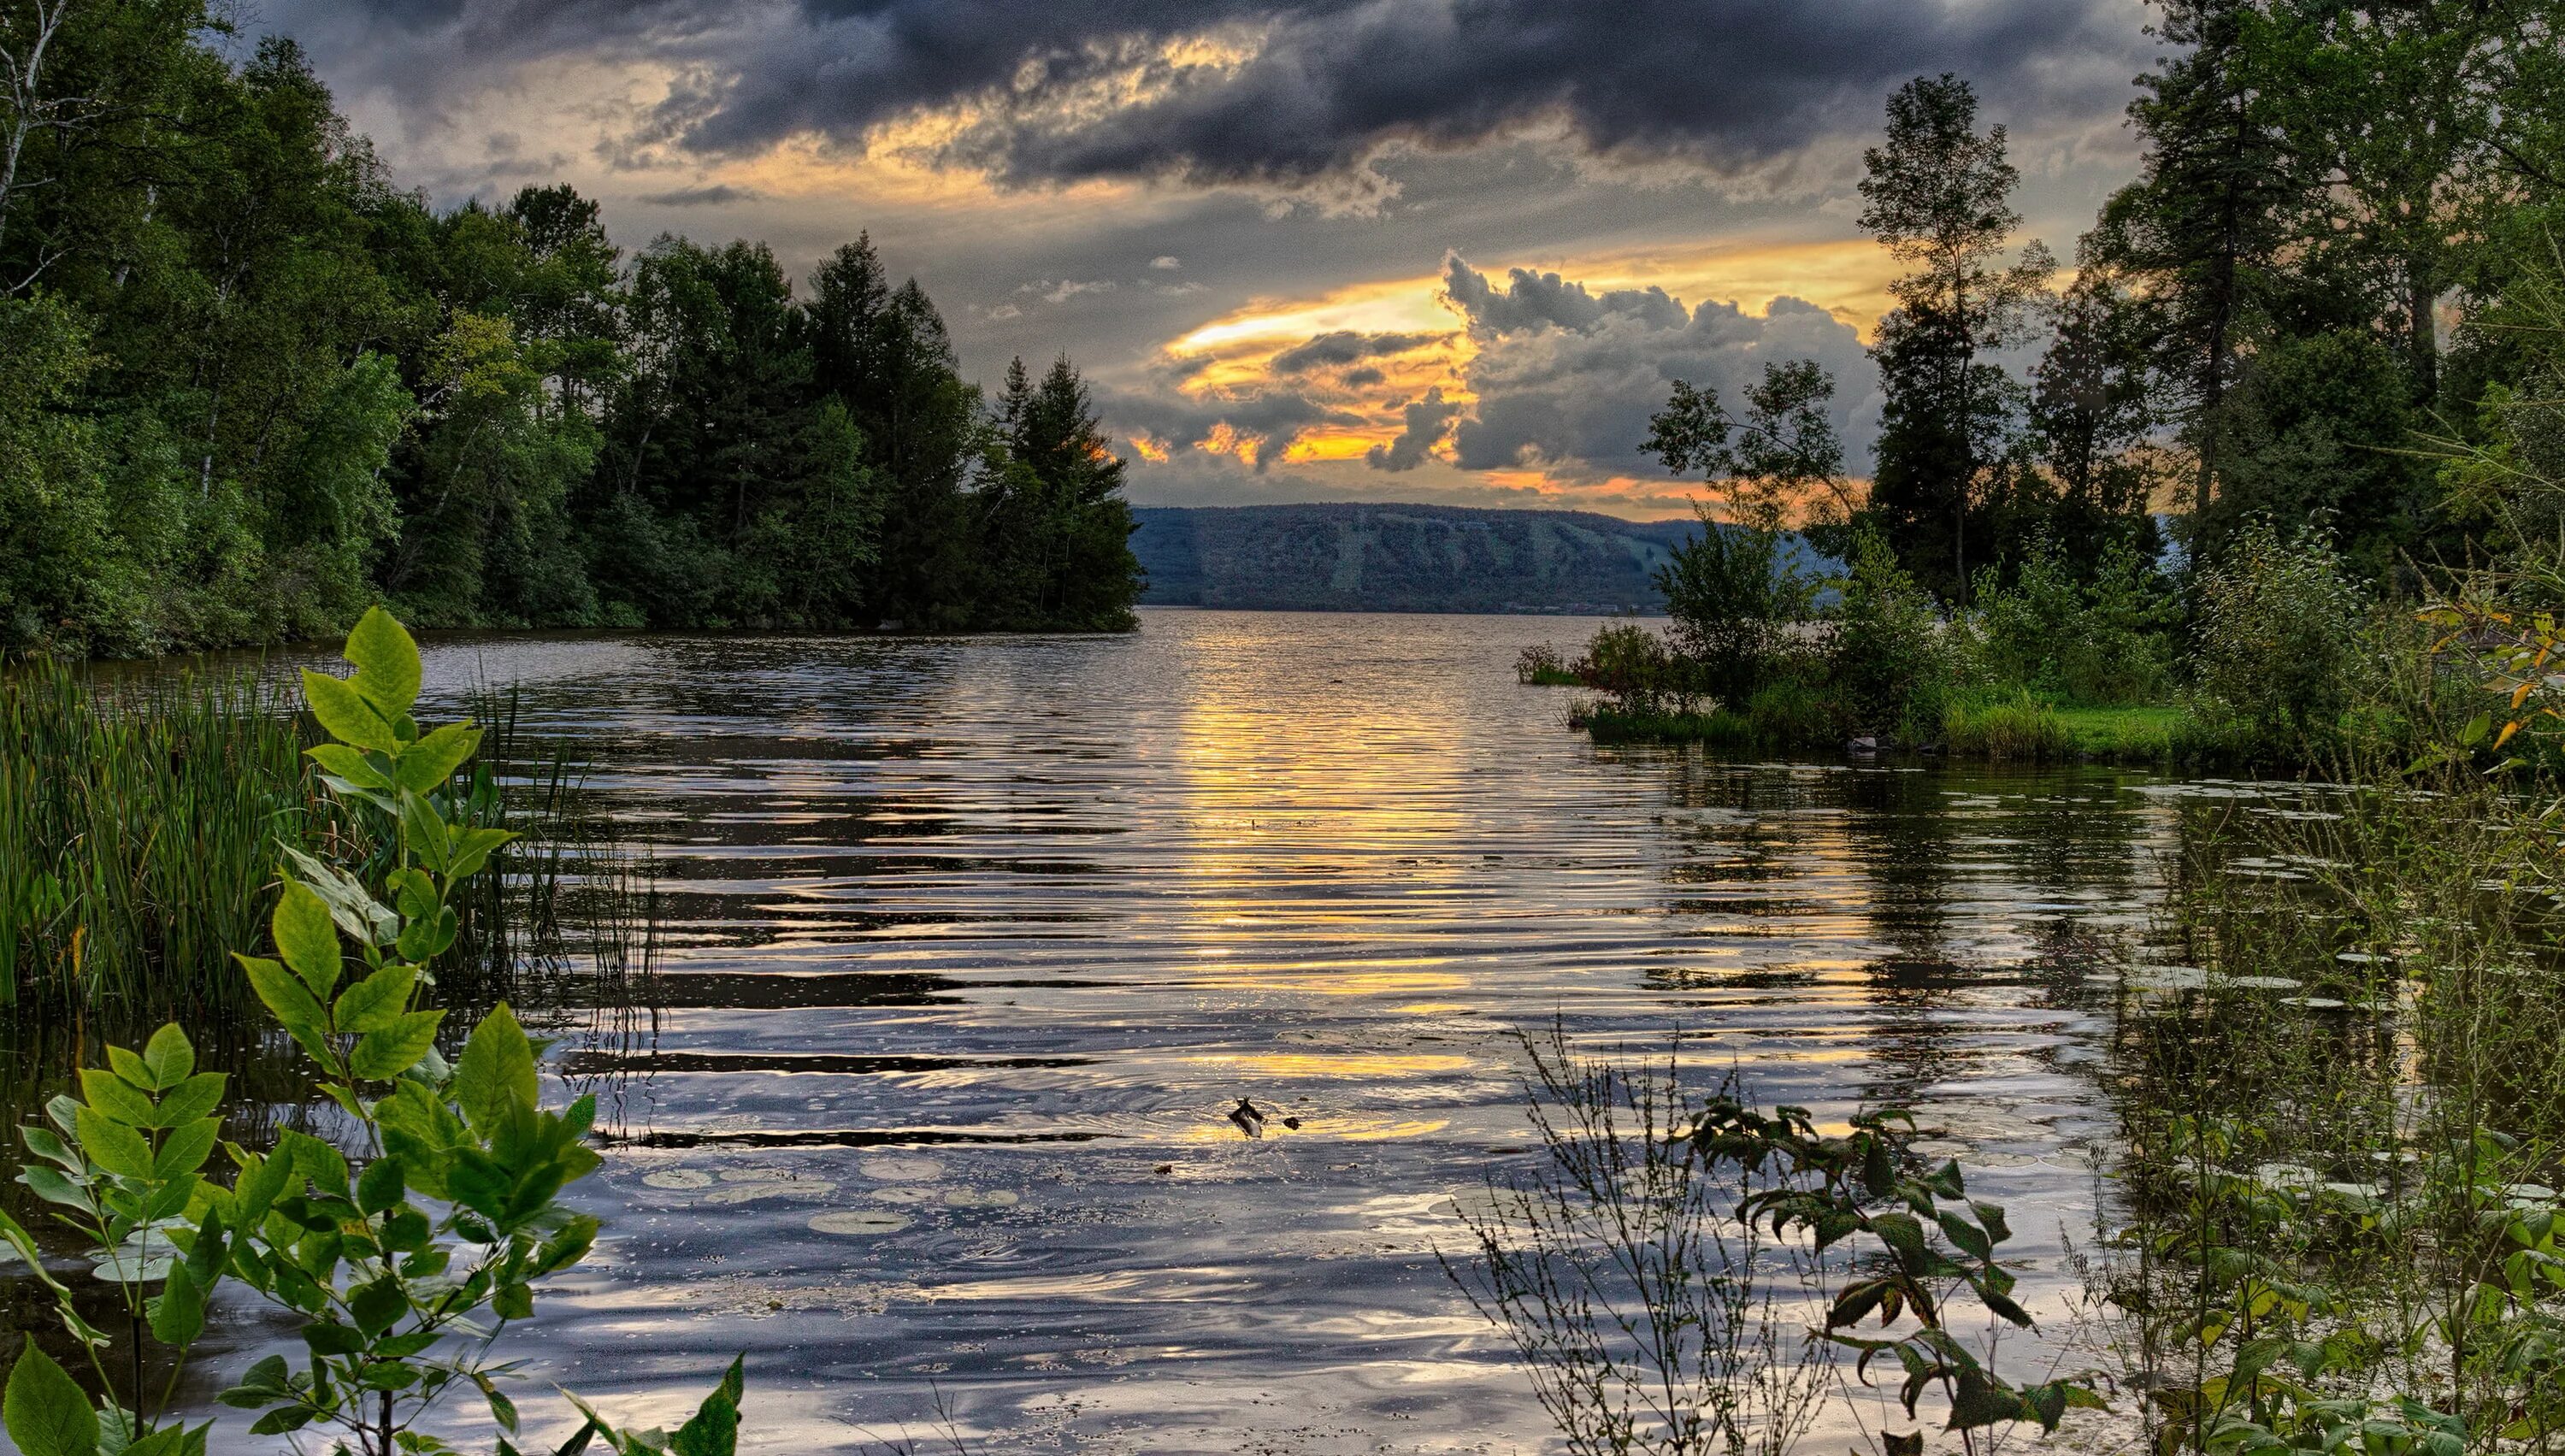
pixel 132 1068
pixel 350 903
pixel 330 1338
pixel 261 1183
pixel 325 1165
pixel 170 1056
pixel 45 1410
pixel 496 1072
pixel 714 1428
pixel 376 1002
pixel 287 998
pixel 306 938
pixel 473 849
pixel 389 1053
pixel 386 662
pixel 428 763
pixel 187 1148
pixel 412 892
pixel 351 763
pixel 193 1098
pixel 423 832
pixel 167 1441
pixel 346 714
pixel 377 1307
pixel 112 1145
pixel 178 1310
pixel 114 1097
pixel 379 1186
pixel 423 939
pixel 50 1185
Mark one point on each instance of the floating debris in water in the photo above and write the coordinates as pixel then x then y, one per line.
pixel 859 1222
pixel 902 1169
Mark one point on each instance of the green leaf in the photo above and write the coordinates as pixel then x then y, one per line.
pixel 346 714
pixel 178 1310
pixel 191 1098
pixel 260 1184
pixel 170 1055
pixel 350 764
pixel 432 759
pixel 50 1186
pixel 473 847
pixel 167 1441
pixel 113 1096
pixel 423 832
pixel 187 1148
pixel 714 1428
pixel 376 1002
pixel 325 1165
pixel 512 1302
pixel 496 1072
pixel 45 1410
pixel 377 1307
pixel 112 1145
pixel 330 1338
pixel 386 662
pixel 132 1068
pixel 413 891
pixel 379 1186
pixel 349 902
pixel 423 939
pixel 287 998
pixel 307 938
pixel 389 1053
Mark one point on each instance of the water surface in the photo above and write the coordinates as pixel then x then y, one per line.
pixel 989 934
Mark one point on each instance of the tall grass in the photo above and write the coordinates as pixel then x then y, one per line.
pixel 138 833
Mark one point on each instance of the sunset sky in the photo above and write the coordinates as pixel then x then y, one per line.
pixel 1415 250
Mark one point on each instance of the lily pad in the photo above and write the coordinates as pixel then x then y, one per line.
pixel 679 1178
pixel 756 1175
pixel 904 1195
pixel 978 1198
pixel 859 1222
pixel 901 1168
pixel 748 1192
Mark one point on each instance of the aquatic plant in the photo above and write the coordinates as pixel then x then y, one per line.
pixel 406 1262
pixel 1646 1270
pixel 138 835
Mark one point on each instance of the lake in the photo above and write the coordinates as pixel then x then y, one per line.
pixel 971 945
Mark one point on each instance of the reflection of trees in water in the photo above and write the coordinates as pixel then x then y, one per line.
pixel 1872 859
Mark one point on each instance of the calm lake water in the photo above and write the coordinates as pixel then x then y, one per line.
pixel 984 938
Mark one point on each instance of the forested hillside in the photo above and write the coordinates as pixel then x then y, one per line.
pixel 249 385
pixel 1403 557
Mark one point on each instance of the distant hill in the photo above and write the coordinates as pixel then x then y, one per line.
pixel 1366 558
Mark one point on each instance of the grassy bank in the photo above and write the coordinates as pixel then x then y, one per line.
pixel 2004 730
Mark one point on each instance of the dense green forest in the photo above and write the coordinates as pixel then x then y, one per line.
pixel 248 384
pixel 2315 335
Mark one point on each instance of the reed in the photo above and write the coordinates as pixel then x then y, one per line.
pixel 138 833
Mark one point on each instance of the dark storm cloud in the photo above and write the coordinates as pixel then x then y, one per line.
pixel 1274 419
pixel 1565 380
pixel 1344 347
pixel 1427 422
pixel 1277 97
pixel 718 196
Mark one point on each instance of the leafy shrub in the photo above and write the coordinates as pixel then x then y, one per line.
pixel 1640 671
pixel 2281 635
pixel 1886 657
pixel 1733 598
pixel 403 1265
pixel 2103 643
pixel 1540 665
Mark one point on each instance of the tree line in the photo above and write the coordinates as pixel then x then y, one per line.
pixel 2284 318
pixel 249 385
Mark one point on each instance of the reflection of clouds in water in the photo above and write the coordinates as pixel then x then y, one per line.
pixel 927 896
